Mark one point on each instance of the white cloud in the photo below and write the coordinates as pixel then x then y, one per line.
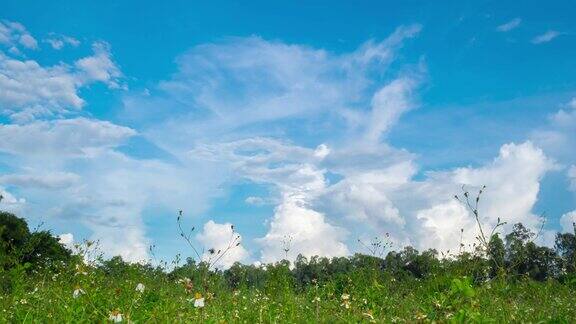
pixel 29 90
pixel 11 203
pixel 388 104
pixel 220 237
pixel 224 89
pixel 559 133
pixel 546 37
pixel 423 213
pixel 572 176
pixel 63 137
pixel 25 84
pixel 513 183
pixel 291 170
pixel 567 222
pixel 67 239
pixel 257 201
pixel 311 233
pixel 56 180
pixel 13 34
pixel 512 24
pixel 59 41
pixel 99 67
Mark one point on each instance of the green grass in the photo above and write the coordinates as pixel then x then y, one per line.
pixel 374 296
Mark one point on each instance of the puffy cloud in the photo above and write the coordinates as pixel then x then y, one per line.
pixel 29 90
pixel 13 34
pixel 11 203
pixel 546 37
pixel 221 237
pixel 512 24
pixel 559 133
pixel 68 137
pixel 67 239
pixel 311 233
pixel 99 67
pixel 424 213
pixel 291 170
pixel 25 84
pixel 567 222
pixel 59 41
pixel 513 183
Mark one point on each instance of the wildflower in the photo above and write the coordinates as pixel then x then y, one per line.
pixel 198 300
pixel 115 316
pixel 187 284
pixel 419 316
pixel 345 301
pixel 78 292
pixel 369 315
pixel 140 288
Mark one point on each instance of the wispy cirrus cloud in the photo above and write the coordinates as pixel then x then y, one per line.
pixel 510 25
pixel 545 37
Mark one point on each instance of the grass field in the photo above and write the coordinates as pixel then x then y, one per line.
pixel 136 293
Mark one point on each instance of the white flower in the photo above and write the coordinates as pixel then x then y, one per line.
pixel 345 296
pixel 140 287
pixel 198 300
pixel 199 303
pixel 115 316
pixel 78 292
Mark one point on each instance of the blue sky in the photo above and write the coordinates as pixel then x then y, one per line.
pixel 323 121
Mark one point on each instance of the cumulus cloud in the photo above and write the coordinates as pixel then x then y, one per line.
pixel 14 34
pixel 99 67
pixel 58 42
pixel 67 239
pixel 291 170
pixel 508 26
pixel 222 237
pixel 567 222
pixel 10 202
pixel 25 84
pixel 29 90
pixel 424 213
pixel 559 133
pixel 545 37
